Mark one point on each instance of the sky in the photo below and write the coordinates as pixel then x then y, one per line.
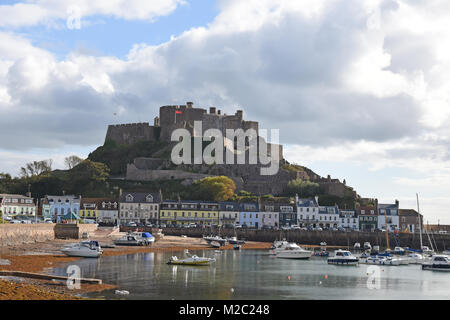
pixel 359 89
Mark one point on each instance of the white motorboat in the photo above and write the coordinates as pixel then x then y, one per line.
pixel 415 258
pixel 191 260
pixel 343 257
pixel 381 260
pixel 439 262
pixel 277 246
pixel 234 240
pixel 427 251
pixel 85 249
pixel 293 251
pixel 367 246
pixel 357 245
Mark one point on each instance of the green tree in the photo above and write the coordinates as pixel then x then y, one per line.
pixel 72 161
pixel 303 188
pixel 36 168
pixel 220 188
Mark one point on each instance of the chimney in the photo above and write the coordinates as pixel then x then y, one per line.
pixel 240 114
pixel 156 122
pixel 212 110
pixel 397 203
pixel 218 111
pixel 189 104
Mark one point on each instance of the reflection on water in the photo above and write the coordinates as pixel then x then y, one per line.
pixel 251 274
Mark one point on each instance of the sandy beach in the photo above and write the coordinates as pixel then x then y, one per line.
pixel 38 257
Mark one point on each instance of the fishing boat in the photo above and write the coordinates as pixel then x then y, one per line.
pixel 85 249
pixel 130 240
pixel 438 263
pixel 293 251
pixel 237 247
pixel 343 257
pixel 191 260
pixel 210 239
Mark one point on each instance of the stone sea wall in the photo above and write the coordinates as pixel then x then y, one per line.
pixel 332 238
pixel 14 234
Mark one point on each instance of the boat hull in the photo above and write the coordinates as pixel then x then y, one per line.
pixel 77 253
pixel 294 255
pixel 435 267
pixel 343 262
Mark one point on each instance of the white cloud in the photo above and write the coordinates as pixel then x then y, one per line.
pixel 349 81
pixel 47 11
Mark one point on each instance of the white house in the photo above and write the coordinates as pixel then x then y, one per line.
pixel 348 219
pixel 389 214
pixel 328 216
pixel 307 211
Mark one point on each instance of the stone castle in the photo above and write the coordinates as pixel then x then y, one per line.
pixel 246 176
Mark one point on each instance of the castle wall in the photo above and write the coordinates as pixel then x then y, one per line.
pixel 130 133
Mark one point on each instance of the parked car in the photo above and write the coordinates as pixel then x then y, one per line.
pixel 192 225
pixel 14 221
pixel 131 224
pixel 238 226
pixel 304 228
pixel 163 225
pixel 295 227
pixel 319 229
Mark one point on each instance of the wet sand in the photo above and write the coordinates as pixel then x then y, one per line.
pixel 38 257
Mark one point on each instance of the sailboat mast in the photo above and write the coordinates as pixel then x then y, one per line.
pixel 386 230
pixel 420 222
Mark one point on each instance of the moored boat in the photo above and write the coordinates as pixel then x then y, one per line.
pixel 85 249
pixel 343 257
pixel 130 240
pixel 439 262
pixel 191 260
pixel 293 251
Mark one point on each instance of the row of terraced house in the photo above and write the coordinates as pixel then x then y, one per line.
pixel 150 208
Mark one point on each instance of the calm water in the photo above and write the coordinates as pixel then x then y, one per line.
pixel 251 274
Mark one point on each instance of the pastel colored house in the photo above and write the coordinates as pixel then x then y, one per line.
pixel 63 205
pixel 16 204
pixel 228 213
pixel 249 215
pixel 139 207
pixel 184 212
pixel 270 216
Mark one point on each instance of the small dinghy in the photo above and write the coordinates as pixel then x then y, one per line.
pixel 191 260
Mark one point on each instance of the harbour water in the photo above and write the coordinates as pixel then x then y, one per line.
pixel 252 274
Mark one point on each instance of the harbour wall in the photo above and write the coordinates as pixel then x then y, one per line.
pixel 332 238
pixel 14 234
pixel 73 231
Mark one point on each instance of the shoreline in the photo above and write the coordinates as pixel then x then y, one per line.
pixel 39 257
